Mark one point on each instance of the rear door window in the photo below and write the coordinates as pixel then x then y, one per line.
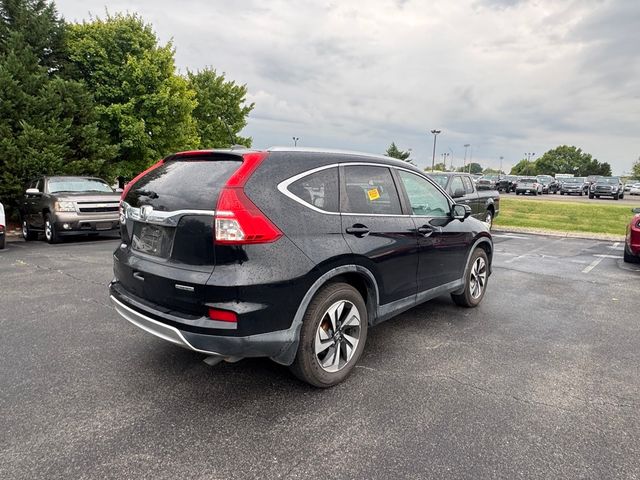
pixel 184 184
pixel 319 189
pixel 468 185
pixel 370 190
pixel 456 184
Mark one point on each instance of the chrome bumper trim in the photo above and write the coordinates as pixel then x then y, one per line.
pixel 165 332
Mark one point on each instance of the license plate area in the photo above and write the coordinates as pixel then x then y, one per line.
pixel 152 239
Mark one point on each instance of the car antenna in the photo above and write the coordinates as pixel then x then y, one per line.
pixel 232 140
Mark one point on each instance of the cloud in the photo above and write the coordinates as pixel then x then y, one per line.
pixel 507 76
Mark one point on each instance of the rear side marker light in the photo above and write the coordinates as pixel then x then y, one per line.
pixel 223 315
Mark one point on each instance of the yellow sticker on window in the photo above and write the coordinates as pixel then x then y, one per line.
pixel 373 193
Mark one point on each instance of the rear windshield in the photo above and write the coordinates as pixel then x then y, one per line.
pixel 574 180
pixel 183 184
pixel 59 185
pixel 528 180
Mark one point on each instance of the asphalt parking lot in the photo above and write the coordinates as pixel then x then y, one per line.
pixel 540 381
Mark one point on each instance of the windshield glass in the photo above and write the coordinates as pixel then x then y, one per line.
pixel 78 185
pixel 528 180
pixel 608 181
pixel 440 180
pixel 574 180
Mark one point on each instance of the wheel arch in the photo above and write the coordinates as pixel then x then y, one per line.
pixel 361 278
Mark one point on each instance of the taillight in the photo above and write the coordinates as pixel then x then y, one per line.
pixel 138 177
pixel 238 220
pixel 223 315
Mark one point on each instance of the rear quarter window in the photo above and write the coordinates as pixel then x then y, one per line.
pixel 319 189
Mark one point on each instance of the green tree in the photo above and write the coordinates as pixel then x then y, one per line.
pixel 394 152
pixel 524 167
pixel 472 167
pixel 47 123
pixel 221 104
pixel 492 171
pixel 635 169
pixel 143 105
pixel 565 159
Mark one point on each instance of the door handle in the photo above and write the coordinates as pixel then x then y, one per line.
pixel 138 276
pixel 358 230
pixel 427 230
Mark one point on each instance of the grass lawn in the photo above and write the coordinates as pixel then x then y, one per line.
pixel 563 216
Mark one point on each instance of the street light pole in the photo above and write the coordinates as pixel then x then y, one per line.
pixel 464 164
pixel 295 141
pixel 501 165
pixel 433 157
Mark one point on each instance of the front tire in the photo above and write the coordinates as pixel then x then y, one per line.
pixel 475 282
pixel 50 233
pixel 333 335
pixel 630 258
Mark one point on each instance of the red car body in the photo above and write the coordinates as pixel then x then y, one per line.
pixel 632 242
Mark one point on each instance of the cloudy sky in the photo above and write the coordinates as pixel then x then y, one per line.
pixel 506 76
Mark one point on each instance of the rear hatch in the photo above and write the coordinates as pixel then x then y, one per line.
pixel 169 229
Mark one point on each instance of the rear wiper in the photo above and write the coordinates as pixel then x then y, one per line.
pixel 148 193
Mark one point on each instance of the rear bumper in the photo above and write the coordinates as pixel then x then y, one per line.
pixel 272 344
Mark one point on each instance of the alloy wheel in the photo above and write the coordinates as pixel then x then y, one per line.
pixel 478 277
pixel 25 229
pixel 47 229
pixel 337 336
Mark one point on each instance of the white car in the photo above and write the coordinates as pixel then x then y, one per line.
pixel 635 189
pixel 3 227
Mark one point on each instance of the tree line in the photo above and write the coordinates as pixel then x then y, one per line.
pixel 102 97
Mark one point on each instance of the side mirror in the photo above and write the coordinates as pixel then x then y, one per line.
pixel 32 191
pixel 460 212
pixel 458 193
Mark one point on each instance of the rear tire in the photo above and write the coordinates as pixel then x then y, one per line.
pixel 488 218
pixel 2 241
pixel 475 281
pixel 590 196
pixel 27 234
pixel 333 335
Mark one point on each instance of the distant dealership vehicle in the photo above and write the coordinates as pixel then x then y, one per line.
pixel 632 239
pixel 607 187
pixel 545 181
pixel 485 204
pixel 634 189
pixel 58 206
pixel 528 185
pixel 574 186
pixel 3 227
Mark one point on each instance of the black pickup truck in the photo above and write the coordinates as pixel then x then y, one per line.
pixel 485 204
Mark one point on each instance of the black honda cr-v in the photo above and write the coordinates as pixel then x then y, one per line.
pixel 290 254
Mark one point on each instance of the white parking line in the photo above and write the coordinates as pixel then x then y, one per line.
pixel 598 259
pixel 508 235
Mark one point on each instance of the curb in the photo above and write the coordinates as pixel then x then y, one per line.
pixel 554 233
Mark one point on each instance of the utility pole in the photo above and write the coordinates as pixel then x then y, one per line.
pixel 444 160
pixel 433 157
pixel 501 165
pixel 295 141
pixel 464 165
